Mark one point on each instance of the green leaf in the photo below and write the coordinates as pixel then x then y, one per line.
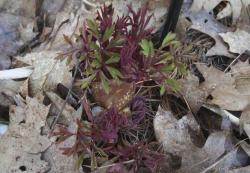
pixel 79 161
pixel 93 46
pixel 162 90
pixel 92 25
pixel 173 84
pixel 82 58
pixel 147 47
pixel 182 68
pixel 114 72
pixel 113 59
pixel 97 55
pixel 170 37
pixel 105 83
pixel 175 43
pixel 95 63
pixel 108 33
pixel 84 83
pixel 168 68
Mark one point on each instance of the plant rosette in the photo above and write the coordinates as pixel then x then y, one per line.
pixel 116 58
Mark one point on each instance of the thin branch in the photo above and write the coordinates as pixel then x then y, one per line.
pixel 232 63
pixel 53 124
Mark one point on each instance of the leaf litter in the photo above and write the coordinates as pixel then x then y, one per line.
pixel 182 137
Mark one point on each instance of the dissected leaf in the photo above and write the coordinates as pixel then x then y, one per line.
pixel 170 37
pixel 173 84
pixel 108 33
pixel 113 59
pixel 147 47
pixel 114 72
pixel 105 83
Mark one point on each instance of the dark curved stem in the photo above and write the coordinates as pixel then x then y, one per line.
pixel 172 18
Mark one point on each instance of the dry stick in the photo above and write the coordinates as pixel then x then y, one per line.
pixel 53 124
pixel 232 63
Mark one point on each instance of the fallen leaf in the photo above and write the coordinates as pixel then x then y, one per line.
pixel 222 88
pixel 225 12
pixel 207 24
pixel 240 170
pixel 176 139
pixel 238 41
pixel 209 5
pixel 194 95
pixel 22 144
pixel 48 71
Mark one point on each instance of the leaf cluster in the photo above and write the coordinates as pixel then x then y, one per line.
pixel 121 49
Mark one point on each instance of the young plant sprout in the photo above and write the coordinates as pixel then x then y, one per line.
pixel 116 58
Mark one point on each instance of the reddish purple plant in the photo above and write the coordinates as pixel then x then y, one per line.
pixel 106 126
pixel 138 109
pixel 141 153
pixel 82 142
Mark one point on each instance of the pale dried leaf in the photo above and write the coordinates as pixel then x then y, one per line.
pixel 238 41
pixel 222 88
pixel 48 71
pixel 176 139
pixel 227 11
pixel 194 95
pixel 22 144
pixel 209 5
pixel 240 170
pixel 205 23
pixel 241 73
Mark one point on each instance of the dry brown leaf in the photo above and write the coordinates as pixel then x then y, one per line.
pixel 238 41
pixel 205 23
pixel 222 87
pixel 176 139
pixel 22 144
pixel 48 71
pixel 240 170
pixel 194 95
pixel 214 78
pixel 209 5
pixel 241 73
pixel 245 121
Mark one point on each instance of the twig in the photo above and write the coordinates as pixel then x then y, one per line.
pixel 53 124
pixel 232 63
